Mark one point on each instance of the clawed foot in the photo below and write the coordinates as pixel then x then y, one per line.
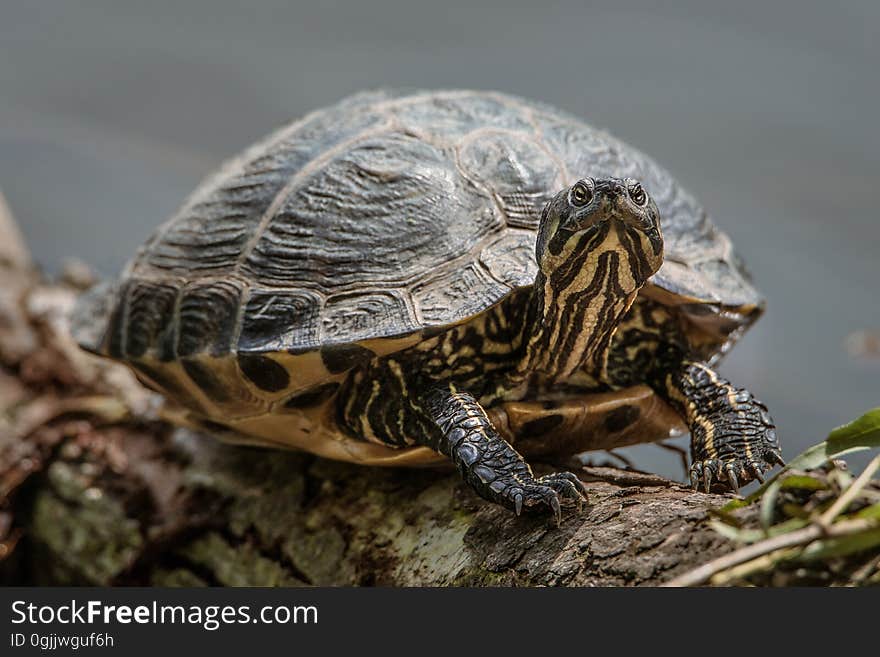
pixel 488 463
pixel 733 438
pixel 518 492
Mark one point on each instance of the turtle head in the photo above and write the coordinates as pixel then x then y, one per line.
pixel 601 215
pixel 598 243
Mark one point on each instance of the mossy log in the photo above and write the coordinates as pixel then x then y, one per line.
pixel 96 488
pixel 185 509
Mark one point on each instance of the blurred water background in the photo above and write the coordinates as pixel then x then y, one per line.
pixel 111 112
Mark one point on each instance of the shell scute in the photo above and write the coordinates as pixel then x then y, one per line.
pixel 363 316
pixel 520 174
pixel 208 315
pixel 279 320
pixel 457 294
pixel 149 320
pixel 511 258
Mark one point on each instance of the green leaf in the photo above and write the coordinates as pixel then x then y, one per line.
pixel 872 511
pixel 726 518
pixel 803 482
pixel 864 432
pixel 768 503
pixel 737 503
pixel 754 535
pixel 842 546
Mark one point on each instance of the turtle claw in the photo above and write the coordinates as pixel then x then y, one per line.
pixel 756 471
pixel 557 509
pixel 696 473
pixel 731 477
pixel 567 485
pixel 707 478
pixel 523 493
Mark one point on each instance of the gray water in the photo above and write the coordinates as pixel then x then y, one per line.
pixel 111 112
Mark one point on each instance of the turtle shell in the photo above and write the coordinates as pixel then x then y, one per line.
pixel 367 225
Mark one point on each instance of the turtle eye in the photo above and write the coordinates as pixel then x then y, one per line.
pixel 580 194
pixel 637 194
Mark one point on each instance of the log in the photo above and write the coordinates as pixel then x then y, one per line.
pixel 184 509
pixel 97 488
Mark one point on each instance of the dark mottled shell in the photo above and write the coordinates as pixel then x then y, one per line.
pixel 378 218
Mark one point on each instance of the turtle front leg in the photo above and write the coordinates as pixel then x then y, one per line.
pixel 487 462
pixel 733 438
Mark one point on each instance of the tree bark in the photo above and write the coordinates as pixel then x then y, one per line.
pixel 96 489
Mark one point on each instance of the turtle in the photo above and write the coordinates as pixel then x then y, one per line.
pixel 412 278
